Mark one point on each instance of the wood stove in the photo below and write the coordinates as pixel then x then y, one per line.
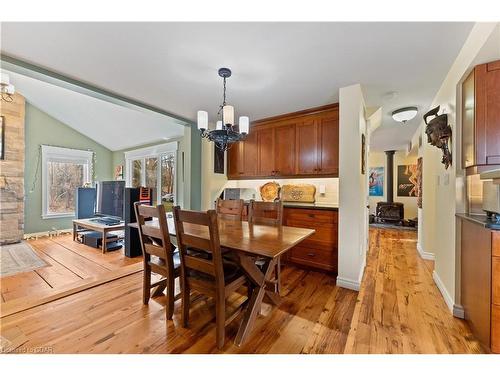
pixel 390 211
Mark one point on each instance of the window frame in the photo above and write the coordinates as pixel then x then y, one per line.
pixel 62 155
pixel 150 153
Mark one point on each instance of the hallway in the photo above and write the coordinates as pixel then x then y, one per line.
pixel 400 309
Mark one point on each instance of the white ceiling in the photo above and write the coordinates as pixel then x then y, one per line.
pixel 113 126
pixel 277 67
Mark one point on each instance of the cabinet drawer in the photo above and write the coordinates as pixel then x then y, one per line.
pixel 495 243
pixel 495 280
pixel 314 216
pixel 324 233
pixel 321 258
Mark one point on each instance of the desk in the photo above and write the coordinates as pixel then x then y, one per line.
pixel 248 242
pixel 90 224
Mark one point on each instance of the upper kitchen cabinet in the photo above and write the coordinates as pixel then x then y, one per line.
pixel 299 144
pixel 481 117
pixel 241 158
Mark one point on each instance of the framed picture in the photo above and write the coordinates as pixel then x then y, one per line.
pixel 376 181
pixel 218 160
pixel 420 166
pixel 363 154
pixel 407 180
pixel 2 134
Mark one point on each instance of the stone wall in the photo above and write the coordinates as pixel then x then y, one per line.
pixel 12 172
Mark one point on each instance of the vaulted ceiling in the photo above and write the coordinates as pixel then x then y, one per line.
pixel 277 67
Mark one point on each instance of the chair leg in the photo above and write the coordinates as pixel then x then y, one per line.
pixel 249 290
pixel 220 318
pixel 277 271
pixel 146 284
pixel 186 300
pixel 170 297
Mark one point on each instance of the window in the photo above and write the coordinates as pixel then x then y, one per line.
pixel 63 170
pixel 153 167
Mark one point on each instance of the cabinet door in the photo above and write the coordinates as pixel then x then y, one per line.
pixel 487 86
pixel 250 154
pixel 468 121
pixel 235 161
pixel 307 144
pixel 328 142
pixel 284 150
pixel 265 149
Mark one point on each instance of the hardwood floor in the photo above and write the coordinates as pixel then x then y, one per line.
pixel 68 261
pixel 398 310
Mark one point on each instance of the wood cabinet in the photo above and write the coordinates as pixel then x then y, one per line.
pixel 480 282
pixel 241 158
pixel 320 250
pixel 481 117
pixel 299 144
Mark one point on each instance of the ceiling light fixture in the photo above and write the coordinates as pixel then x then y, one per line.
pixel 404 114
pixel 7 90
pixel 225 133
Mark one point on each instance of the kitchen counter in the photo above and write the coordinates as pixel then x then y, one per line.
pixel 480 220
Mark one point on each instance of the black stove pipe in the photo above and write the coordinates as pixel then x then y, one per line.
pixel 390 176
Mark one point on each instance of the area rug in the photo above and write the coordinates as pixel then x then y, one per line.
pixel 19 257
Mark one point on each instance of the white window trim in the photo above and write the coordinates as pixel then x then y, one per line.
pixel 151 152
pixel 64 155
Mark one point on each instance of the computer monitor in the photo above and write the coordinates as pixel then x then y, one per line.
pixel 110 196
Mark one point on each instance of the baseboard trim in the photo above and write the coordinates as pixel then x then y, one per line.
pixel 48 233
pixel 424 254
pixel 446 296
pixel 348 283
pixel 458 311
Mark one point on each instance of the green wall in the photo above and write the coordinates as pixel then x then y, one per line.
pixel 40 128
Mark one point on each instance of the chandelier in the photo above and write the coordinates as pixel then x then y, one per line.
pixel 226 132
pixel 7 90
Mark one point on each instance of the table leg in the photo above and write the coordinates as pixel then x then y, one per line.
pixel 75 228
pixel 260 280
pixel 104 237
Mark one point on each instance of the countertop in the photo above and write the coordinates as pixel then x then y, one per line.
pixel 480 220
pixel 312 206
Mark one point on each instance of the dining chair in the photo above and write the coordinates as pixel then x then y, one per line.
pixel 215 276
pixel 267 213
pixel 159 255
pixel 229 209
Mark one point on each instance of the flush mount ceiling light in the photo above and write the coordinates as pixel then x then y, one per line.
pixel 7 90
pixel 225 133
pixel 404 114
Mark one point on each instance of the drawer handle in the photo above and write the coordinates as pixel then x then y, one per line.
pixel 311 254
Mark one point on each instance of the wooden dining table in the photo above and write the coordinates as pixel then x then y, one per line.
pixel 250 242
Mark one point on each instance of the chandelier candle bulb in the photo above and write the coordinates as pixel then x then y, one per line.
pixel 218 125
pixel 228 115
pixel 202 120
pixel 244 124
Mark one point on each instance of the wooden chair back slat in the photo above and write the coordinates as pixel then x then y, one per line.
pixel 190 241
pixel 200 264
pixel 229 209
pixel 151 231
pixel 267 213
pixel 197 242
pixel 154 250
pixel 148 211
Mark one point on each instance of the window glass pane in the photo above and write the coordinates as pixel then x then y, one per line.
pixel 151 176
pixel 136 173
pixel 62 181
pixel 167 180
